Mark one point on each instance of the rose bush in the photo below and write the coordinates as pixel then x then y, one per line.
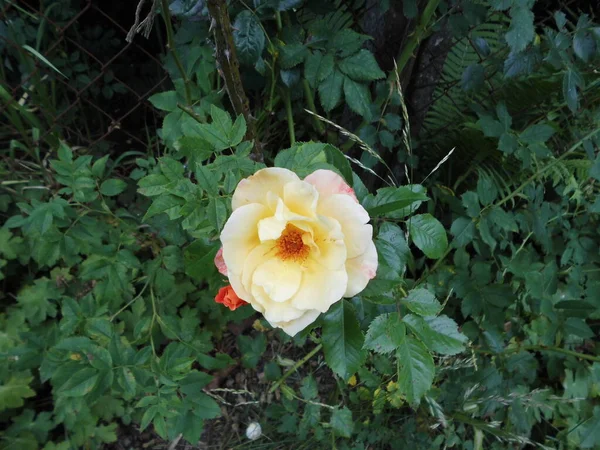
pixel 292 247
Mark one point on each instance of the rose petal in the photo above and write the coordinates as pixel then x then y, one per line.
pixel 360 270
pixel 255 188
pixel 353 218
pixel 327 182
pixel 279 279
pixel 293 327
pixel 220 262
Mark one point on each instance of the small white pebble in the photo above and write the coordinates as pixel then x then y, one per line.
pixel 254 431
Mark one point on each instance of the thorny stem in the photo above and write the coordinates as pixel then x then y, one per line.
pixel 171 45
pixel 295 367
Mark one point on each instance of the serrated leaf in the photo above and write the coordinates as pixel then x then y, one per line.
pixel 422 302
pixel 536 133
pixel 162 204
pixel 217 212
pixel 13 392
pixel 429 235
pixel 291 55
pixel 165 101
pixel 400 200
pixel 341 422
pixel 343 340
pixel 439 334
pixel 80 383
pixel 521 31
pixel 207 180
pixel 249 37
pixel 385 333
pixel 361 67
pixel 415 370
pixel 330 90
pixel 572 82
pixel 318 67
pixel 347 42
pixel 358 97
pixel 112 187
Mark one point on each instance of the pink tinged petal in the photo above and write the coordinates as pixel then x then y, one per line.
pixel 279 279
pixel 353 218
pixel 361 270
pixel 255 188
pixel 329 183
pixel 320 288
pixel 220 262
pixel 293 327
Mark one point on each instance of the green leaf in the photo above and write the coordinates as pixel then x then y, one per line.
pixel 422 302
pixel 199 259
pixel 386 333
pixel 536 133
pixel 343 340
pixel 429 235
pixel 584 45
pixel 330 90
pixel 99 166
pixel 318 67
pixel 42 58
pixel 358 97
pixel 347 42
pixel 361 67
pixel 473 78
pixel 14 391
pixel 165 101
pixel 238 131
pixel 153 185
pixel 291 55
pixel 463 230
pixel 162 204
pixel 112 187
pixel 400 200
pixel 217 212
pixel 309 389
pixel 415 370
pixel 572 82
pixel 337 159
pixel 521 31
pixel 251 349
pixel 249 37
pixel 80 383
pixel 392 247
pixel 439 334
pixel 302 158
pixel 341 422
pixel 207 180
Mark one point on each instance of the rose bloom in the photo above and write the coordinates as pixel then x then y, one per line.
pixel 293 247
pixel 229 298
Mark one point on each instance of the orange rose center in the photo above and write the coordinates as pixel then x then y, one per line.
pixel 290 245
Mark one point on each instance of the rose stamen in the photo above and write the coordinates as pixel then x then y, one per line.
pixel 290 245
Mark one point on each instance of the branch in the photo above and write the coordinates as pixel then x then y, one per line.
pixel 230 70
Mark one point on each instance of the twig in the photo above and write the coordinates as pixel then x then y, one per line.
pixel 292 369
pixel 229 68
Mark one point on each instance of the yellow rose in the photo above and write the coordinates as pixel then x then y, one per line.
pixel 293 247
